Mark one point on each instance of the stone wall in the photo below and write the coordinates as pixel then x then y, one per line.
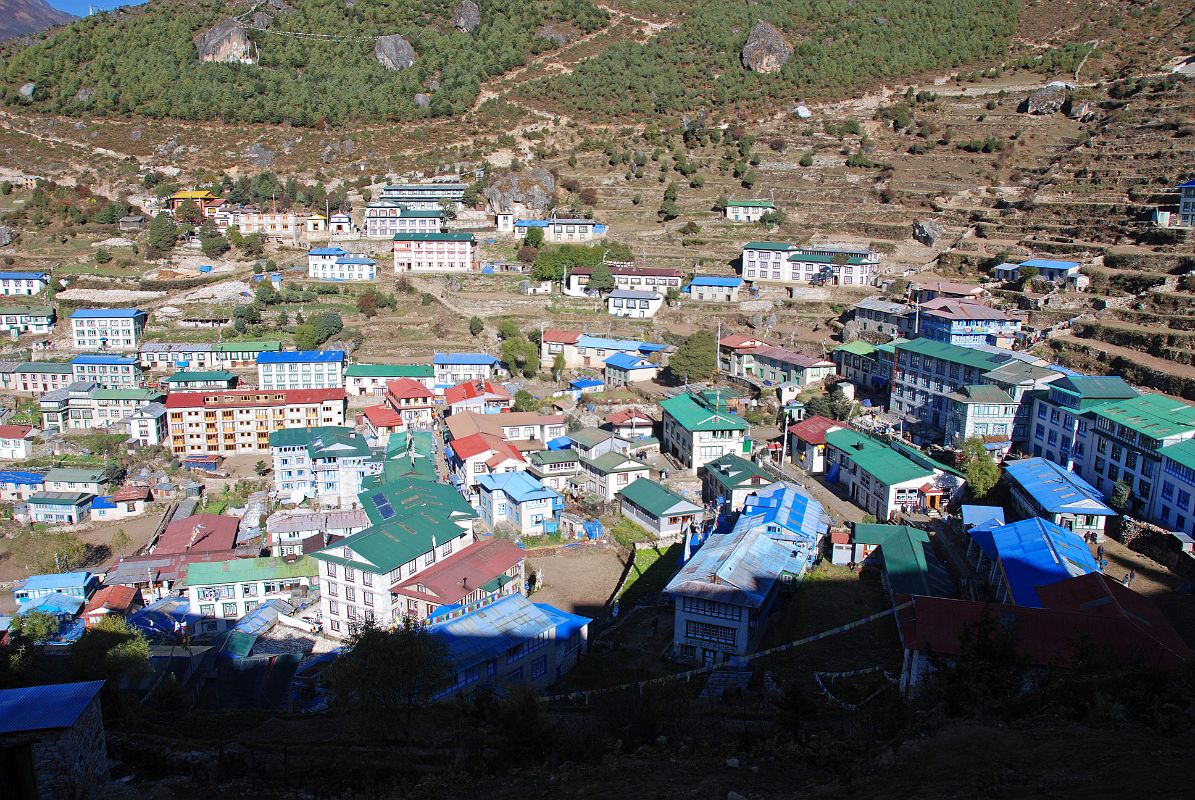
pixel 72 764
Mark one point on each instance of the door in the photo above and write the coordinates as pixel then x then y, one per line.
pixel 708 657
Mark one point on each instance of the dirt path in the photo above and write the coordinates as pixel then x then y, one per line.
pixel 1161 365
pixel 579 580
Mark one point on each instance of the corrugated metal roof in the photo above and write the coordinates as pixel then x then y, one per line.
pixel 1056 490
pixel 40 708
pixel 1033 553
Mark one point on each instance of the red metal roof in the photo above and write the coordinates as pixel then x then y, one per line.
pixel 558 336
pixel 130 494
pixel 383 417
pixel 112 598
pixel 476 444
pixel 202 533
pixel 472 389
pixel 408 389
pixel 737 340
pixel 14 431
pixel 627 415
pixel 452 579
pixel 813 430
pixel 234 398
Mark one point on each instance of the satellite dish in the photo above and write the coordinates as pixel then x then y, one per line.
pixel 297 496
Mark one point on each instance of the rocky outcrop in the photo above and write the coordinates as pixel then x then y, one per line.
pixel 280 6
pixel 928 232
pixel 6 235
pixel 262 20
pixel 422 100
pixel 555 33
pixel 467 16
pixel 1082 110
pixel 27 90
pixel 1049 99
pixel 533 191
pixel 225 42
pixel 260 155
pixel 766 49
pixel 394 52
pixel 84 94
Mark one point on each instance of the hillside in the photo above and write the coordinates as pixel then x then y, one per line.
pixel 19 17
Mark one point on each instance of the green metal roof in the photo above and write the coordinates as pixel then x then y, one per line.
pixel 750 204
pixel 59 498
pixel 876 458
pixel 859 347
pixel 553 456
pixel 47 368
pixel 210 375
pixel 393 543
pixel 243 570
pixel 905 559
pixel 778 246
pixel 30 311
pixel 612 461
pixel 952 353
pixel 657 500
pixel 588 437
pixel 1181 453
pixel 391 499
pixel 693 416
pixel 324 441
pixel 245 347
pixel 433 237
pixel 820 258
pixel 75 475
pixel 390 371
pixel 1095 387
pixel 1150 415
pixel 148 395
pixel 732 471
pixel 981 393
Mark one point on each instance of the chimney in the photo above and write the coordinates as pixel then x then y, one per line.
pixel 465 583
pixel 194 536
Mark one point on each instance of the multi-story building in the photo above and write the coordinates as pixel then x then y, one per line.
pixel 455 368
pixel 301 369
pixel 555 469
pixel 727 481
pixel 1186 203
pixel 1127 439
pixel 484 397
pixel 747 210
pixel 1041 488
pixel 369 380
pixel 883 480
pixel 285 225
pixel 604 476
pixel 924 373
pixel 224 591
pixel 579 350
pixel 787 263
pixel 518 500
pixel 945 319
pixel 71 479
pixel 562 230
pixel 60 508
pixel 107 370
pixel 1060 418
pixel 26 319
pixel 628 277
pixel 205 201
pixel 879 317
pixel 713 289
pixel 734 353
pixel 856 361
pixel 631 303
pixel 296 533
pixel 622 369
pixel 326 464
pixel 477 454
pixel 425 196
pixel 411 401
pixel 520 427
pixel 1171 506
pixel 980 410
pixel 334 264
pixel 23 284
pixel 384 218
pixel 83 405
pixel 209 380
pixel 117 329
pixel 1024 383
pixel 434 252
pixel 110 406
pixel 35 378
pixel 807 442
pixel 147 425
pixel 16 442
pixel 698 430
pixel 777 365
pixel 241 421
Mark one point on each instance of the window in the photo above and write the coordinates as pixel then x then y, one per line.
pixel 248 590
pixel 335 625
pixel 366 578
pixel 228 610
pixel 1184 499
pixel 539 666
pixel 334 608
pixel 207 610
pixel 709 633
pixel 331 570
pixel 516 675
pixel 350 594
pixel 368 597
pixel 350 574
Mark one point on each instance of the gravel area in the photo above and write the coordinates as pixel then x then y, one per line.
pixel 103 296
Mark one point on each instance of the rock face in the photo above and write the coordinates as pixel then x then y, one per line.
pixel 29 16
pixel 422 100
pixel 554 33
pixel 533 191
pixel 467 16
pixel 1049 99
pixel 226 41
pixel 928 232
pixel 260 155
pixel 766 49
pixel 1079 109
pixel 5 235
pixel 262 20
pixel 394 52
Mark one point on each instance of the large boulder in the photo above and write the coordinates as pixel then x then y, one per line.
pixel 1049 99
pixel 262 20
pixel 554 33
pixel 928 232
pixel 467 16
pixel 260 155
pixel 422 100
pixel 533 191
pixel 226 41
pixel 394 52
pixel 766 49
pixel 6 235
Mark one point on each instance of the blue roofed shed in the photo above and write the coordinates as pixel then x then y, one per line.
pixel 57 730
pixel 75 584
pixel 1041 488
pixel 1021 557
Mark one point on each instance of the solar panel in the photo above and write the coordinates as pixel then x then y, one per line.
pixel 383 505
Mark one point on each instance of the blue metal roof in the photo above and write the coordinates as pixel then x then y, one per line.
pixel 119 361
pixel 23 478
pixel 24 276
pixel 518 486
pixel 1046 263
pixel 356 260
pixel 628 361
pixel 1033 553
pixel 107 313
pixel 982 517
pixel 464 359
pixel 532 223
pixel 586 383
pixel 787 508
pixel 300 356
pixel 40 708
pixel 1056 490
pixel 1186 184
pixel 490 631
pixel 740 568
pixel 104 502
pixel 560 443
pixel 710 280
pixel 63 580
pixel 58 604
pixel 566 624
pixel 624 345
pixel 327 251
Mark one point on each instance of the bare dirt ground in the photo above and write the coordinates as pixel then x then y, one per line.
pixel 1155 582
pixel 579 580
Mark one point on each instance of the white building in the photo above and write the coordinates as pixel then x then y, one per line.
pixel 326 464
pixel 26 319
pixel 426 196
pixel 147 425
pixel 108 371
pixel 301 369
pixel 107 328
pixel 384 218
pixel 224 591
pixel 628 303
pixel 452 369
pixel 241 421
pixel 434 252
pixel 747 210
pixel 698 430
pixel 336 264
pixel 16 442
pixel 781 262
pixel 23 284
